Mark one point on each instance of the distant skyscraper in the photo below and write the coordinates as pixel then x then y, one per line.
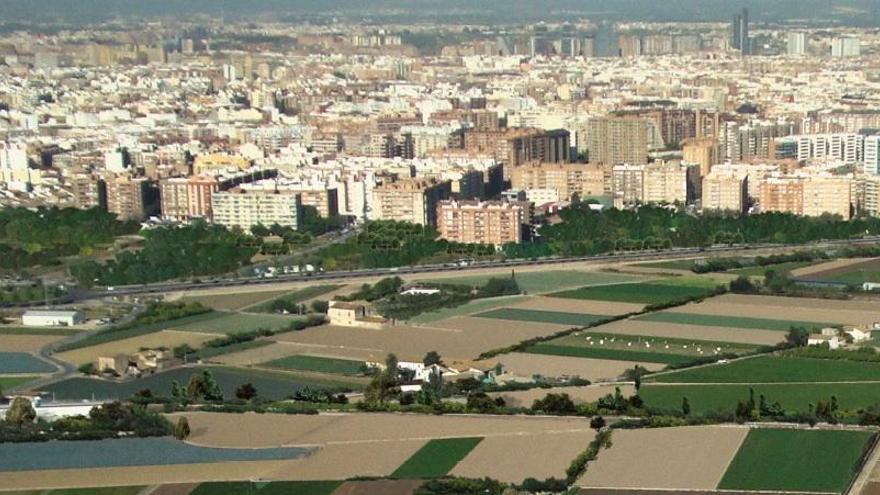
pixel 797 43
pixel 846 46
pixel 739 32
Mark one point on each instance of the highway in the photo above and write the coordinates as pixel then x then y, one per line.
pixel 342 275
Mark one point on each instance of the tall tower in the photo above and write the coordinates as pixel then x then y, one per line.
pixel 744 43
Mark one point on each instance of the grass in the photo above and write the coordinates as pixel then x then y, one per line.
pixel 111 335
pixel 642 293
pixel 532 315
pixel 236 300
pixel 612 354
pixel 777 369
pixel 9 382
pixel 796 460
pixel 467 308
pixel 295 297
pixel 124 452
pixel 759 271
pixel 853 277
pixel 23 363
pixel 731 321
pixel 317 364
pixel 269 384
pixel 436 458
pixel 543 281
pixel 794 397
pixel 263 488
pixel 228 323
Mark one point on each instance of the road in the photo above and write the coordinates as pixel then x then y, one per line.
pixel 342 275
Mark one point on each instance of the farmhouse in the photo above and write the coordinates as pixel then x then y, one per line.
pixel 832 340
pixel 145 361
pixel 353 314
pixel 51 318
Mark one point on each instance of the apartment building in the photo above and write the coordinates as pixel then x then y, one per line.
pixel 131 198
pixel 244 209
pixel 88 191
pixel 481 222
pixel 659 183
pixel 828 194
pixel 617 140
pixel 726 191
pixel 184 198
pixel 567 179
pixel 410 200
pixel 515 146
pixel 702 152
pixel 871 155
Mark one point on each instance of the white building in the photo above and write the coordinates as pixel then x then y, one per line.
pixel 51 318
pixel 845 46
pixel 871 156
pixel 797 43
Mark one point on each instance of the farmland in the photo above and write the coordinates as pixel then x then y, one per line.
pixel 855 272
pixel 16 342
pixel 529 364
pixel 776 369
pixel 234 301
pixel 796 460
pixel 23 363
pixel 263 488
pixel 8 382
pixel 731 321
pixel 272 385
pixel 166 338
pixel 436 458
pixel 470 307
pixel 540 282
pixel 557 317
pixel 295 297
pixel 317 364
pixel 643 293
pixel 227 323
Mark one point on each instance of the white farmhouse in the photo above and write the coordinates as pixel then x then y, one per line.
pixel 51 318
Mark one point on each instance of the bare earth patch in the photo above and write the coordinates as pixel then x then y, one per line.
pixel 693 457
pixel 166 338
pixel 26 343
pixel 249 357
pixel 378 487
pixel 696 332
pixel 235 300
pixel 580 395
pixel 525 364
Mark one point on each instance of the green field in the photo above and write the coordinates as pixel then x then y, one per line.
pixel 533 315
pixel 112 335
pixel 794 397
pixel 544 281
pixel 207 353
pixel 436 458
pixel 317 364
pixel 796 460
pixel 759 271
pixel 777 369
pixel 471 307
pixel 731 321
pixel 8 382
pixel 642 293
pixel 269 384
pixel 263 488
pixel 295 297
pixel 23 363
pixel 670 265
pixel 237 322
pixel 856 276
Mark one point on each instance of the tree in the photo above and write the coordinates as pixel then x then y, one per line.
pixel 385 383
pixel 319 306
pixel 176 390
pixel 20 412
pixel 555 404
pixel 597 423
pixel 246 391
pixel 212 389
pixel 432 358
pixel 743 285
pixel 195 388
pixel 181 429
pixel 797 337
pixel 685 407
pixel 483 403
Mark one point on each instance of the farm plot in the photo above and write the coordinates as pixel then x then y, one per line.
pixel 110 490
pixel 796 460
pixel 126 452
pixel 317 364
pixel 637 348
pixel 166 338
pixel 234 301
pixel 776 369
pixel 692 332
pixel 26 343
pixel 818 269
pixel 643 293
pixel 528 365
pixel 731 321
pixel 546 303
pixel 665 458
pixel 556 317
pixel 298 296
pixel 547 455
pixel 237 322
pixel 580 395
pixel 793 397
pixel 467 308
pixel 785 308
pixel 436 458
pixel 270 385
pixel 257 355
pixel 539 282
pixel 8 382
pixel 264 488
pixel 14 363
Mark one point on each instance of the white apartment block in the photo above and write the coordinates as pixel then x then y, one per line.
pixel 244 209
pixel 871 155
pixel 846 147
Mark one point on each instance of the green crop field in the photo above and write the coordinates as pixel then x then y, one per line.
pixel 317 364
pixel 8 382
pixel 23 363
pixel 295 297
pixel 796 460
pixel 557 317
pixel 759 271
pixel 436 458
pixel 794 397
pixel 471 307
pixel 112 335
pixel 544 281
pixel 269 384
pixel 270 488
pixel 731 321
pixel 237 322
pixel 777 369
pixel 853 277
pixel 643 293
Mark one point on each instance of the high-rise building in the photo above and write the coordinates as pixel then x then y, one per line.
pixel 185 198
pixel 871 155
pixel 132 198
pixel 567 179
pixel 739 32
pixel 515 146
pixel 797 43
pixel 410 200
pixel 481 222
pixel 617 140
pixel 244 209
pixel 846 147
pixel 845 46
pixel 725 191
pixel 701 152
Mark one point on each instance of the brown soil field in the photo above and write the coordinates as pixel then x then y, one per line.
pixel 235 300
pixel 26 343
pixel 274 430
pixel 167 338
pixel 459 339
pixel 275 350
pixel 787 308
pixel 525 364
pixel 697 332
pixel 693 457
pixel 176 489
pixel 515 458
pixel 580 395
pixel 378 487
pixel 542 303
pixel 830 267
